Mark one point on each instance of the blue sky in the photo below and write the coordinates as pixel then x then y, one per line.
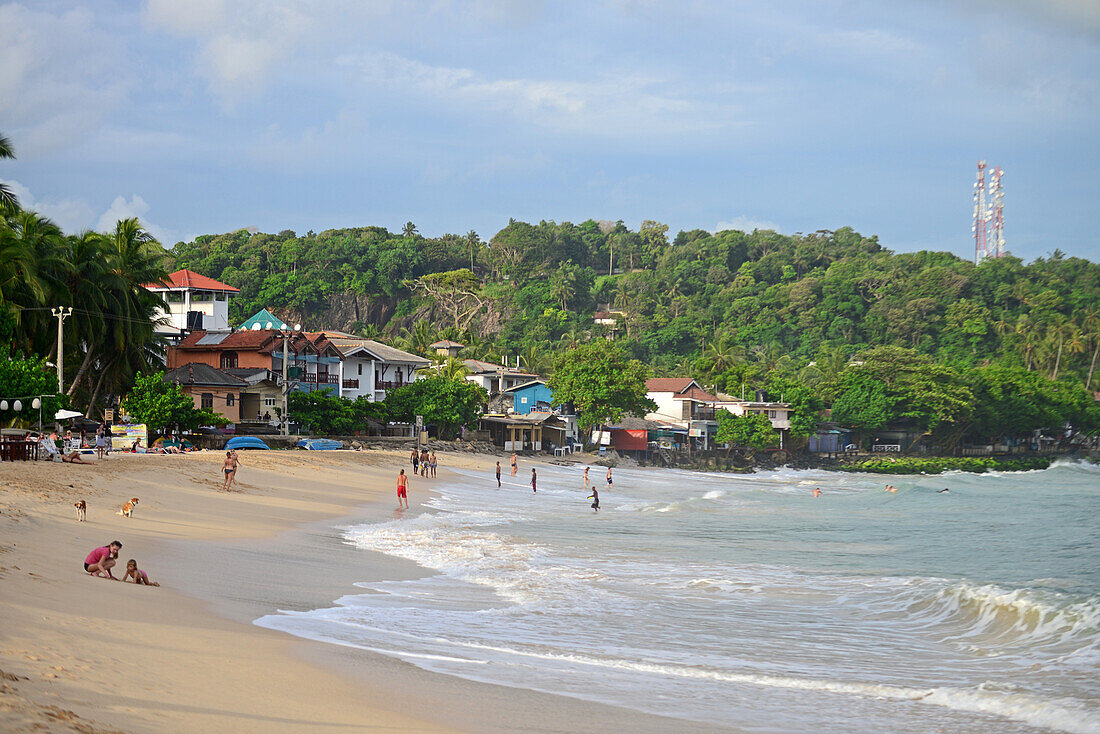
pixel 210 115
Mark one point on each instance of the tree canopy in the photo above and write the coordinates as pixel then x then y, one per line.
pixel 601 383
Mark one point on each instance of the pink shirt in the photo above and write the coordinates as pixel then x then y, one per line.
pixel 98 555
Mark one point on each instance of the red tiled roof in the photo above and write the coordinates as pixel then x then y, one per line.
pixel 190 279
pixel 237 340
pixel 697 394
pixel 668 384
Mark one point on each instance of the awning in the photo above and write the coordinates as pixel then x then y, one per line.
pixel 66 414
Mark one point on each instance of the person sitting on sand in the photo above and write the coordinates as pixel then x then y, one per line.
pixel 102 559
pixel 49 445
pixel 136 575
pixel 229 468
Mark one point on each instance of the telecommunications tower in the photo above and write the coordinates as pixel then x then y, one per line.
pixel 989 216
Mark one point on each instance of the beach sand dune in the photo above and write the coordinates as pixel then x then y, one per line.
pixel 87 655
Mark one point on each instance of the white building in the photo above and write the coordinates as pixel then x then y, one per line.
pixel 778 413
pixel 680 401
pixel 187 293
pixel 495 378
pixel 369 368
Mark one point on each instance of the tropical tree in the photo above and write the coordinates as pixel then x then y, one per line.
pixel 602 384
pixel 8 200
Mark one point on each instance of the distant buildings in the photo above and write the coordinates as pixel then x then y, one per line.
pixel 194 302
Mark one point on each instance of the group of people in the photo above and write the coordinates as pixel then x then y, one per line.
pixel 423 462
pixel 595 496
pixel 104 558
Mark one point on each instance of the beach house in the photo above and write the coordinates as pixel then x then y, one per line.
pixel 495 378
pixel 369 368
pixel 683 403
pixel 210 388
pixel 194 302
pixel 777 413
pixel 533 395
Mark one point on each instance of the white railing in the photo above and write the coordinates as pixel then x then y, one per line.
pixel 886 448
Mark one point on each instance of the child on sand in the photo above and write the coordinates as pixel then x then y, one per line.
pixel 136 575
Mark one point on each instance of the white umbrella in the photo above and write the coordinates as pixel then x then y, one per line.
pixel 63 414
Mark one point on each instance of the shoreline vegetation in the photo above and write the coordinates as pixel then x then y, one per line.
pixel 939 465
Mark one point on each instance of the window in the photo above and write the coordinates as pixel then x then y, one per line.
pixel 229 360
pixel 771 413
pixel 174 297
pixel 269 401
pixel 220 296
pixel 230 399
pixel 360 368
pixel 202 296
pixel 523 401
pixel 208 400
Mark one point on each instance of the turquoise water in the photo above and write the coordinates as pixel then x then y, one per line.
pixel 743 600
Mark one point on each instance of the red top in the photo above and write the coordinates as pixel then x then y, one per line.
pixel 98 555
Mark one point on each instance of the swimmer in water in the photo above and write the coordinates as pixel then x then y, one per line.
pixel 945 489
pixel 816 493
pixel 890 488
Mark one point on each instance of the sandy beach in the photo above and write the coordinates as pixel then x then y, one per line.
pixel 90 655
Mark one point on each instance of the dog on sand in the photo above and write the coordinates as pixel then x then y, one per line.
pixel 128 508
pixel 81 511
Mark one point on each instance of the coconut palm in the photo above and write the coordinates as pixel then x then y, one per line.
pixel 8 201
pixel 723 354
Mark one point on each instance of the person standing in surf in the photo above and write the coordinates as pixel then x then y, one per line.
pixel 534 480
pixel 498 475
pixel 609 482
pixel 402 489
pixel 595 497
pixel 586 476
pixel 514 465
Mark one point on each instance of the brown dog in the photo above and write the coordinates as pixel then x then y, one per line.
pixel 81 511
pixel 128 508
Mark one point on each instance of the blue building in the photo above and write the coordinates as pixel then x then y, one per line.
pixel 531 396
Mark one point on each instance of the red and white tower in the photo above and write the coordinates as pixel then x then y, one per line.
pixel 989 222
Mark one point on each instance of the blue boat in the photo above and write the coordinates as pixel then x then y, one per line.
pixel 245 442
pixel 320 444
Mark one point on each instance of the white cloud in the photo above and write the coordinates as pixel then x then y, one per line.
pixel 745 223
pixel 613 105
pixel 62 74
pixel 136 207
pixel 72 215
pixel 239 43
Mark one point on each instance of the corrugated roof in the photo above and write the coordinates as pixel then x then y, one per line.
pixel 477 366
pixel 264 317
pixel 525 384
pixel 199 374
pixel 190 279
pixel 382 351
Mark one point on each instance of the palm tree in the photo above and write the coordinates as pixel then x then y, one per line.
pixel 472 240
pixel 723 354
pixel 409 230
pixel 8 201
pixel 452 368
pixel 419 337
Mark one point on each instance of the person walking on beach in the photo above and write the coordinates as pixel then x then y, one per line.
pixel 423 462
pixel 402 489
pixel 229 468
pixel 498 475
pixel 102 559
pixel 534 479
pixel 415 461
pixel 609 482
pixel 595 497
pixel 432 463
pixel 514 465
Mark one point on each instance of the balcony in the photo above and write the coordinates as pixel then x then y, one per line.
pixel 351 384
pixel 380 385
pixel 321 378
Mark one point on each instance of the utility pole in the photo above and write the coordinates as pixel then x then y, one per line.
pixel 61 313
pixel 286 388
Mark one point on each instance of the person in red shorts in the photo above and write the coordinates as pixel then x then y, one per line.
pixel 402 489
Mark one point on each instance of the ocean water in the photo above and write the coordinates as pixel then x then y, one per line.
pixel 742 600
